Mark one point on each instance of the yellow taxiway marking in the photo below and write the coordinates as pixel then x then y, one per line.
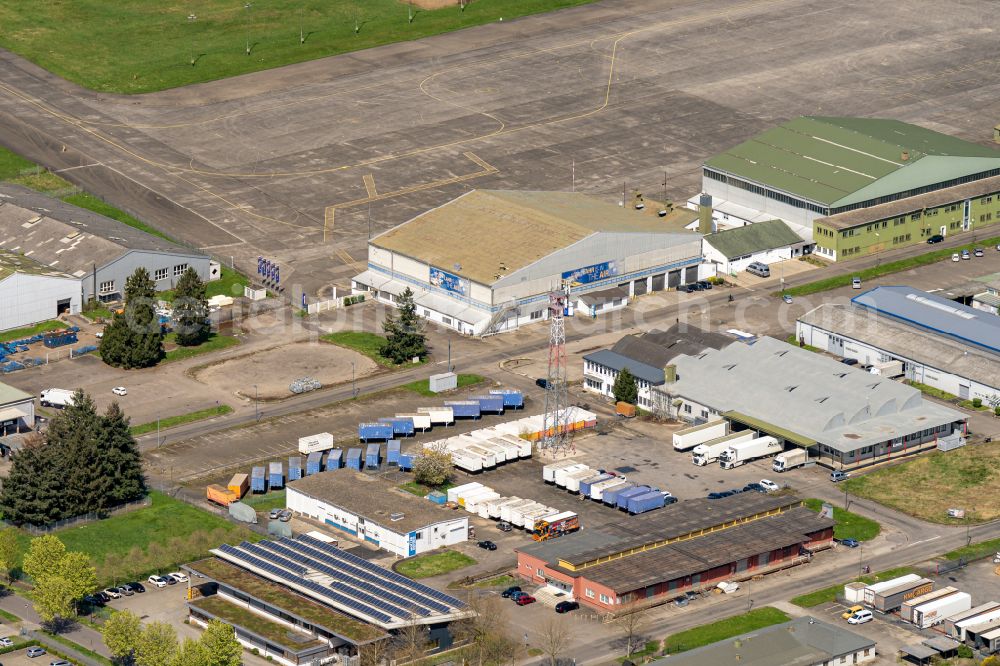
pixel 370 185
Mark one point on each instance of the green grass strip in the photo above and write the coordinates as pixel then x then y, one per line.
pixel 848 525
pixel 422 386
pixel 828 595
pixel 28 331
pixel 434 564
pixel 723 629
pixel 181 419
pixel 975 551
pixel 215 342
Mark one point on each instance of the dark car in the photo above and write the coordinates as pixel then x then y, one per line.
pixel 93 600
pixel 756 487
pixel 566 606
pixel 504 526
pixel 704 284
pixel 936 238
pixel 719 494
pixel 137 587
pixel 680 601
pixel 850 543
pixel 668 500
pixel 542 383
pixel 487 545
pixel 684 289
pixel 849 361
pixel 510 591
pixel 102 597
pixel 524 600
pixel 695 286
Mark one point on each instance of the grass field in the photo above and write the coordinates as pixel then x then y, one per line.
pixel 975 550
pixel 28 331
pixel 434 564
pixel 927 486
pixel 829 594
pixel 887 268
pixel 230 283
pixel 215 342
pixel 267 501
pixel 142 45
pixel 849 525
pixel 420 386
pixel 362 342
pixel 723 629
pixel 181 419
pixel 420 490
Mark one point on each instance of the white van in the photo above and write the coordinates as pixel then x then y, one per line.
pixel 860 617
pixel 759 269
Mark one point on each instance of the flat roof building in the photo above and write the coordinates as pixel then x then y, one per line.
pixel 487 261
pixel 732 250
pixel 31 292
pixel 844 415
pixel 17 410
pixel 364 508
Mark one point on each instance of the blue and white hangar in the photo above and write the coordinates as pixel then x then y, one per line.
pixel 486 262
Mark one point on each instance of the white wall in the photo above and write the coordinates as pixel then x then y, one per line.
pixel 595 373
pixel 729 267
pixel 28 299
pixel 801 218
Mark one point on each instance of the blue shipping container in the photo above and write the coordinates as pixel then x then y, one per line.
pixel 392 452
pixel 492 404
pixel 406 461
pixel 335 460
pixel 585 485
pixel 647 502
pixel 377 431
pixel 294 468
pixel 400 426
pixel 437 497
pixel 624 496
pixel 258 480
pixel 354 459
pixel 373 456
pixel 275 476
pixel 610 497
pixel 314 463
pixel 468 409
pixel 511 397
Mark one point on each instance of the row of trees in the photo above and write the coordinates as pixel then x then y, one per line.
pixel 156 644
pixel 134 338
pixel 86 463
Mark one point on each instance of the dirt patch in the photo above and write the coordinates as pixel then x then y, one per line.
pixel 436 4
pixel 273 369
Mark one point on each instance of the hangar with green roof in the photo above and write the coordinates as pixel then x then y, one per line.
pixel 853 172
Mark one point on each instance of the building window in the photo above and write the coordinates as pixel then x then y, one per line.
pixel 446 321
pixel 704 413
pixel 108 287
pixel 537 314
pixel 161 274
pixel 590 593
pixel 687 409
pixel 427 313
pixel 179 269
pixel 605 599
pixel 594 384
pixel 541 574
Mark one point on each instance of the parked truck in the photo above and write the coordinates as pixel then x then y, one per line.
pixel 653 499
pixel 934 612
pixel 56 397
pixel 889 369
pixel 219 495
pixel 312 443
pixel 239 485
pixel 551 527
pixel 258 479
pixel 610 495
pixel 597 490
pixel 709 452
pixel 791 459
pixel 623 497
pixel 744 452
pixel 688 438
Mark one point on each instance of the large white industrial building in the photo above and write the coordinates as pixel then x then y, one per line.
pixel 31 292
pixel 360 506
pixel 487 261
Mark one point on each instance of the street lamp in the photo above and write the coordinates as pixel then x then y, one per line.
pixel 354 385
pixel 194 56
pixel 247 7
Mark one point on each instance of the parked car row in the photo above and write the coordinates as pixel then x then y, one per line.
pixel 700 285
pixel 522 598
pixel 764 486
pixel 284 515
pixel 966 254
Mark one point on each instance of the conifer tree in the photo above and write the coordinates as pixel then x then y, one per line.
pixel 190 310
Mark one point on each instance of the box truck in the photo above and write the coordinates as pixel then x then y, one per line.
pixel 654 499
pixel 56 397
pixel 551 527
pixel 626 495
pixel 934 612
pixel 312 443
pixel 710 451
pixel 688 438
pixel 791 459
pixel 744 452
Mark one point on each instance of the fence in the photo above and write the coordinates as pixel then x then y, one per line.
pixel 37 530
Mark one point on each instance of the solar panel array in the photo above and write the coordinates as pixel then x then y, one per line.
pixel 272 558
pixel 380 571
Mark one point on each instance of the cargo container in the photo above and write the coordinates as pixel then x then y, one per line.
pixel 464 409
pixel 876 588
pixel 888 369
pixel 934 612
pixel 294 468
pixel 527 518
pixel 401 427
pixel 312 443
pixel 373 456
pixel 239 485
pixel 354 459
pixel 790 459
pixel 709 452
pixel 743 452
pixel 219 495
pixel 478 502
pixel 406 461
pixel 314 463
pixel 454 492
pixel 984 637
pixel 499 452
pixel 624 409
pixel 335 460
pixel 550 527
pixel 463 495
pixel 258 480
pixel 688 438
pixel 573 479
pixel 392 451
pixel 488 459
pixel 517 512
pixel 374 431
pixel 507 510
pixel 887 601
pixel 464 460
pixel 489 404
pixel 421 422
pixel 957 623
pixel 588 483
pixel 610 497
pixel 438 415
pixel 906 609
pixel 512 398
pixel 626 495
pixel 597 490
pixel 483 507
pixel 275 476
pixel 990 641
pixel 523 445
pixel 562 474
pixel 437 497
pixel 493 506
pixel 654 499
pixel 512 452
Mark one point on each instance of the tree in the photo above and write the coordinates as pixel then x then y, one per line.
pixel 122 632
pixel 433 468
pixel 10 551
pixel 157 645
pixel 410 642
pixel 119 460
pixel 193 653
pixel 404 335
pixel 488 631
pixel 53 599
pixel 220 643
pixel 630 622
pixel 44 557
pixel 625 389
pixel 190 318
pixel 555 636
pixel 134 338
pixel 61 578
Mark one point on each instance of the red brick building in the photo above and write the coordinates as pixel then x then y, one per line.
pixel 686 546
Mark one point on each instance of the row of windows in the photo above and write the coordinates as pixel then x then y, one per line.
pixel 986 218
pixel 599 369
pixel 900 239
pixel 917 191
pixel 766 192
pixel 108 286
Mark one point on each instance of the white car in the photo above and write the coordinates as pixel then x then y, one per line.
pixel 119 390
pixel 955 257
pixel 178 576
pixel 856 283
pixel 113 593
pixel 6 642
pixel 99 335
pixel 860 617
pixel 769 486
pixel 158 581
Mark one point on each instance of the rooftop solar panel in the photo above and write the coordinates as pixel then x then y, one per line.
pixel 272 558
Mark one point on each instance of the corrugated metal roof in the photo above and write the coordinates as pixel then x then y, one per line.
pixel 933 313
pixel 617 362
pixel 840 161
pixel 752 238
pixel 15 262
pixel 9 395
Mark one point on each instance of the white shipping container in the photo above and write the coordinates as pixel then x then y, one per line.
pixel 518 514
pixel 597 490
pixel 507 510
pixel 466 495
pixel 855 592
pixel 420 421
pixel 973 621
pixel 691 437
pixel 439 415
pixel 466 461
pixel 499 452
pixel 477 502
pixel 523 445
pixel 322 441
pixel 454 492
pixel 934 612
pixel 495 508
pixel 875 588
pixel 574 479
pixel 549 471
pixel 563 476
pixel 528 518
